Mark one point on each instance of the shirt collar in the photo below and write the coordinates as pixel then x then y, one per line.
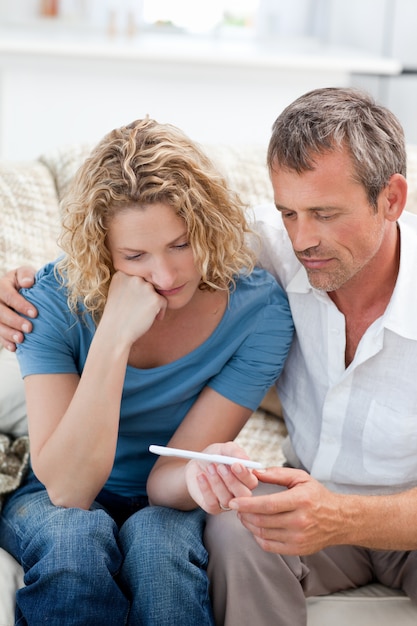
pixel 401 313
pixel 299 283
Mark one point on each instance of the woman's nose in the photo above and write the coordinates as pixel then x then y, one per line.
pixel 162 274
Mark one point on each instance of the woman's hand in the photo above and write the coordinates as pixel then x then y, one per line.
pixel 132 307
pixel 213 485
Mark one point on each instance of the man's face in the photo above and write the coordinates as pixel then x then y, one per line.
pixel 334 230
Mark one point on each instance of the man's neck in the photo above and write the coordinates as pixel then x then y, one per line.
pixel 366 296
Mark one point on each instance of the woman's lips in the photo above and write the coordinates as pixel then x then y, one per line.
pixel 170 292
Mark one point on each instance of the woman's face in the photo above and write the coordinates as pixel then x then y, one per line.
pixel 152 242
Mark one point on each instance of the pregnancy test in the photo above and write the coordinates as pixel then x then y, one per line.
pixel 203 456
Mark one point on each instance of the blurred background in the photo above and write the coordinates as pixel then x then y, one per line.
pixel 222 70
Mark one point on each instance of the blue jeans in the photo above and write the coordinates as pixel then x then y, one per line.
pixel 81 569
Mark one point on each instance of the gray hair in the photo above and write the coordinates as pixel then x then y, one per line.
pixel 328 119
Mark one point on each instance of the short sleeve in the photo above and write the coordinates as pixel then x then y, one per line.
pixel 52 345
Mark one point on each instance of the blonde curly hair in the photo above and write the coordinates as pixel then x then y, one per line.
pixel 144 163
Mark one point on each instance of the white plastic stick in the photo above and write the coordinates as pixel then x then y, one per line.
pixel 202 456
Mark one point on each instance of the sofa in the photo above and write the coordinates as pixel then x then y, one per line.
pixel 29 223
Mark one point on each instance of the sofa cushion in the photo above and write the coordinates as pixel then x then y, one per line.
pixel 11 578
pixel 14 463
pixel 13 420
pixel 63 162
pixel 366 606
pixel 262 438
pixel 29 215
pixel 244 167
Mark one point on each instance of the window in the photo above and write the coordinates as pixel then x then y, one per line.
pixel 200 16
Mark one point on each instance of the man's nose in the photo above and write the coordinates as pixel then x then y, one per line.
pixel 304 234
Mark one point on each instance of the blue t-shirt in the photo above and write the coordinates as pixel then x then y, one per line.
pixel 240 360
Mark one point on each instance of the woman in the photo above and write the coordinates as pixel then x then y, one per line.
pixel 153 327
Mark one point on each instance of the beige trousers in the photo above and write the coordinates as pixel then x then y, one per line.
pixel 250 587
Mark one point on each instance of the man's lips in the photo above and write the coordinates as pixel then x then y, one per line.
pixel 314 264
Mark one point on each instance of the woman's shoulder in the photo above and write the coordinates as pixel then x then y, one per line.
pixel 49 272
pixel 45 277
pixel 48 294
pixel 57 331
pixel 46 280
pixel 261 284
pixel 259 300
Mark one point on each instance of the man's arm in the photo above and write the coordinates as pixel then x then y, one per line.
pixel 12 325
pixel 305 517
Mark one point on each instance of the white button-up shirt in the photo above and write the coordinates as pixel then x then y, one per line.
pixel 355 428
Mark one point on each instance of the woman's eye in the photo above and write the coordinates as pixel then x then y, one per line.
pixel 182 245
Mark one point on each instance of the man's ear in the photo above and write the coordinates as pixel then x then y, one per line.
pixel 395 197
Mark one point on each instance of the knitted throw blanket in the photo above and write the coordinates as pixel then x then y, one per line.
pixel 14 462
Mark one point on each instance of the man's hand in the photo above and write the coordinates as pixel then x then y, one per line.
pixel 12 325
pixel 300 519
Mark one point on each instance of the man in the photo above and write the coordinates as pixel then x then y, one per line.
pixel 344 513
pixel 337 166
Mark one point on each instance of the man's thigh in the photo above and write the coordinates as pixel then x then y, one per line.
pixel 336 568
pixel 397 570
pixel 333 569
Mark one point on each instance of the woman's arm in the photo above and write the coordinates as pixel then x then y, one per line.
pixel 174 482
pixel 73 422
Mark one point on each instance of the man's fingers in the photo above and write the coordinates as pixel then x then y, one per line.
pixel 12 328
pixel 24 276
pixel 9 337
pixel 11 319
pixel 11 299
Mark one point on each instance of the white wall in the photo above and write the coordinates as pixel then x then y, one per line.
pixel 59 97
pixel 49 99
pixel 385 27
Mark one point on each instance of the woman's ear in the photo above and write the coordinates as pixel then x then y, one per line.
pixel 395 197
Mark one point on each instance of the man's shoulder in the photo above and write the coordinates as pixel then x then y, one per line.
pixel 272 245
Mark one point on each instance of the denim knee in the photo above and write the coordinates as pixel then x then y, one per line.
pixel 164 529
pixel 74 536
pixel 164 568
pixel 71 558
